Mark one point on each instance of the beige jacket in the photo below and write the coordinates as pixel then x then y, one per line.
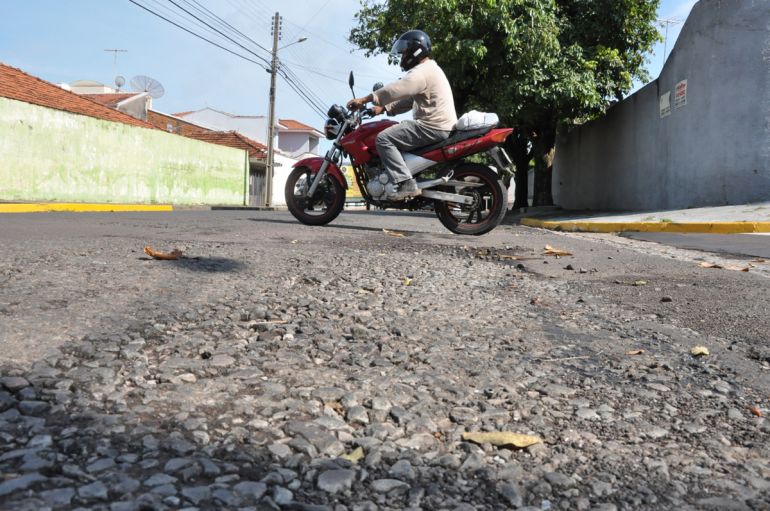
pixel 425 90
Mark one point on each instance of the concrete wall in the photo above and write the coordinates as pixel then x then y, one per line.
pixel 713 150
pixel 50 155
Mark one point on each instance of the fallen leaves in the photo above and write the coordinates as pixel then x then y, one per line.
pixel 633 353
pixel 550 251
pixel 164 256
pixel 355 456
pixel 501 439
pixel 639 283
pixel 407 281
pixel 700 351
pixel 395 234
pixel 756 411
pixel 731 267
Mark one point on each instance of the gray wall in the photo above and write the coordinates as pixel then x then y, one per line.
pixel 715 150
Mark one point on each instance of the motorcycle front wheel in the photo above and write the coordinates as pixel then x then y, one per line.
pixel 324 206
pixel 489 201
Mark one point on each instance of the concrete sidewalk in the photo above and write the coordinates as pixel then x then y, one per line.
pixel 746 218
pixel 79 207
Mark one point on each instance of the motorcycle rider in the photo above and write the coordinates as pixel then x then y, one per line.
pixel 426 91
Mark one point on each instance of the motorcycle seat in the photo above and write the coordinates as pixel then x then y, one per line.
pixel 454 137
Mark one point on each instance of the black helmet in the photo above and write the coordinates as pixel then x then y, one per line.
pixel 412 46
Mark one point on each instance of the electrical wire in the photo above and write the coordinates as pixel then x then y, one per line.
pixel 305 93
pixel 193 33
pixel 223 34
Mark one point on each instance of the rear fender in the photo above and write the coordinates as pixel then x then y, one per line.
pixel 314 164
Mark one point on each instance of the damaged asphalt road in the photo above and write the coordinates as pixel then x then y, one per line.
pixel 279 366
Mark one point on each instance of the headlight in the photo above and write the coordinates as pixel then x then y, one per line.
pixel 332 128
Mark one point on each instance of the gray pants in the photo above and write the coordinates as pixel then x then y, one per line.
pixel 403 137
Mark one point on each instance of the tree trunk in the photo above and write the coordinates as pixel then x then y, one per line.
pixel 544 148
pixel 517 147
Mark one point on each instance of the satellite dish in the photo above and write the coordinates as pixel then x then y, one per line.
pixel 119 81
pixel 149 85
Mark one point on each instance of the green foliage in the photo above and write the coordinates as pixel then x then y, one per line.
pixel 531 61
pixel 539 64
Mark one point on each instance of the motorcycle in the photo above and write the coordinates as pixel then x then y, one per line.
pixel 467 197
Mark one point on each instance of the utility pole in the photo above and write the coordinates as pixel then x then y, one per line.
pixel 271 117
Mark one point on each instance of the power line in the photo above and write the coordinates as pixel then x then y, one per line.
pixel 303 91
pixel 225 35
pixel 193 33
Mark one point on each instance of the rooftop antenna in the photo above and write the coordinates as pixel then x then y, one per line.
pixel 119 81
pixel 667 22
pixel 115 52
pixel 149 85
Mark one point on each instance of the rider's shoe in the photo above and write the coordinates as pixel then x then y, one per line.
pixel 405 190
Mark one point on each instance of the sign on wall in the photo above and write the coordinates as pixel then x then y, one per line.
pixel 665 104
pixel 680 98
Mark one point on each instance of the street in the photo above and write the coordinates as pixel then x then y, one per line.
pixel 280 366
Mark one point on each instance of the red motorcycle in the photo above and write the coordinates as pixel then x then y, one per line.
pixel 468 198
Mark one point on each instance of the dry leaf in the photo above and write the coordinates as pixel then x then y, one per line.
pixel 711 265
pixel 700 351
pixel 355 456
pixel 336 406
pixel 550 251
pixel 395 234
pixel 640 283
pixel 635 352
pixel 756 411
pixel 407 281
pixel 502 439
pixel 165 256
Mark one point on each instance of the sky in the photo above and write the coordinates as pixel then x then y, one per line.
pixel 65 40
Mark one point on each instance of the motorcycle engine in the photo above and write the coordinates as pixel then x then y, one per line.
pixel 378 179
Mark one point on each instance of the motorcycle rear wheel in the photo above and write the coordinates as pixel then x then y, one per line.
pixel 325 205
pixel 489 201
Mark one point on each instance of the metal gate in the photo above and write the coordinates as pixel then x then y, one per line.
pixel 256 187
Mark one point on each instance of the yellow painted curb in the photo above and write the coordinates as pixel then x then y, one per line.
pixel 684 227
pixel 81 208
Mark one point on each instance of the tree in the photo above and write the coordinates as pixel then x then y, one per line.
pixel 541 65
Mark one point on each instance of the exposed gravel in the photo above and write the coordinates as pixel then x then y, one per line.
pixel 251 376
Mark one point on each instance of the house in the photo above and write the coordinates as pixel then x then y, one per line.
pixel 58 146
pixel 294 137
pixel 135 104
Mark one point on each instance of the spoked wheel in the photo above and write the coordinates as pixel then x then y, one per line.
pixel 488 207
pixel 325 204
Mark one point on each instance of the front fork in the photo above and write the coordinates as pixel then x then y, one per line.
pixel 321 173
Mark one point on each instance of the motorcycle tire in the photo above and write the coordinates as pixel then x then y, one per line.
pixel 329 197
pixel 489 205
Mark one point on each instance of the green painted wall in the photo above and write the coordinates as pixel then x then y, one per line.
pixel 50 155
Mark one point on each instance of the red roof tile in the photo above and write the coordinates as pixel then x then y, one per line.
pixel 291 124
pixel 20 86
pixel 232 139
pixel 110 100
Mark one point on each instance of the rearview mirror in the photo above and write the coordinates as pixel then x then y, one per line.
pixel 351 82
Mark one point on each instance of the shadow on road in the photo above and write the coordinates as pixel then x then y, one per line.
pixel 331 226
pixel 208 264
